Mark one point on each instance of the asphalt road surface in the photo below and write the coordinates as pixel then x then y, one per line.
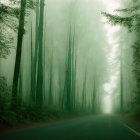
pixel 99 127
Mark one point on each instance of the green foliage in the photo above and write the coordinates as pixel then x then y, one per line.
pixel 4 100
pixel 31 4
pixel 136 70
pixel 3 86
pixel 130 9
pixel 8 24
pixel 130 18
pixel 22 113
pixel 9 14
pixel 131 22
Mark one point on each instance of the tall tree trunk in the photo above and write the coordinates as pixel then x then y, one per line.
pixel 44 62
pixel 73 57
pixel 34 63
pixel 39 87
pixel 84 91
pixel 20 83
pixel 32 97
pixel 70 76
pixel 94 94
pixel 64 98
pixel 74 79
pixel 69 73
pixel 51 82
pixel 121 81
pixel 18 51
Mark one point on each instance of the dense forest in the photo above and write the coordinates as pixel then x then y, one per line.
pixel 68 57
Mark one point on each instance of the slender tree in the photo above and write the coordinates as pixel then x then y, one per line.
pixel 24 5
pixel 39 86
pixel 94 92
pixel 19 50
pixel 35 57
pixel 32 98
pixel 70 72
pixel 84 91
pixel 51 81
pixel 121 80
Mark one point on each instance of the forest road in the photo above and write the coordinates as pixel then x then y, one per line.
pixel 99 127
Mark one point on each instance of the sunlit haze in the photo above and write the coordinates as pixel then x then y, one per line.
pixel 111 6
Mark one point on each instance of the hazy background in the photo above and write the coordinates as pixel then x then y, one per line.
pixel 97 51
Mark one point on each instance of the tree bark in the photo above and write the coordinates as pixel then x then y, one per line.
pixel 18 51
pixel 39 87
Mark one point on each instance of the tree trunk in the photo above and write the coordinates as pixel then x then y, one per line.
pixel 32 97
pixel 34 63
pixel 51 82
pixel 121 81
pixel 18 52
pixel 39 87
pixel 84 91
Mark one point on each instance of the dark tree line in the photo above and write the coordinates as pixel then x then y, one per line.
pixel 14 17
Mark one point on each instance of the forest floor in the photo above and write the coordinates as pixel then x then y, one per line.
pixel 4 128
pixel 132 118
